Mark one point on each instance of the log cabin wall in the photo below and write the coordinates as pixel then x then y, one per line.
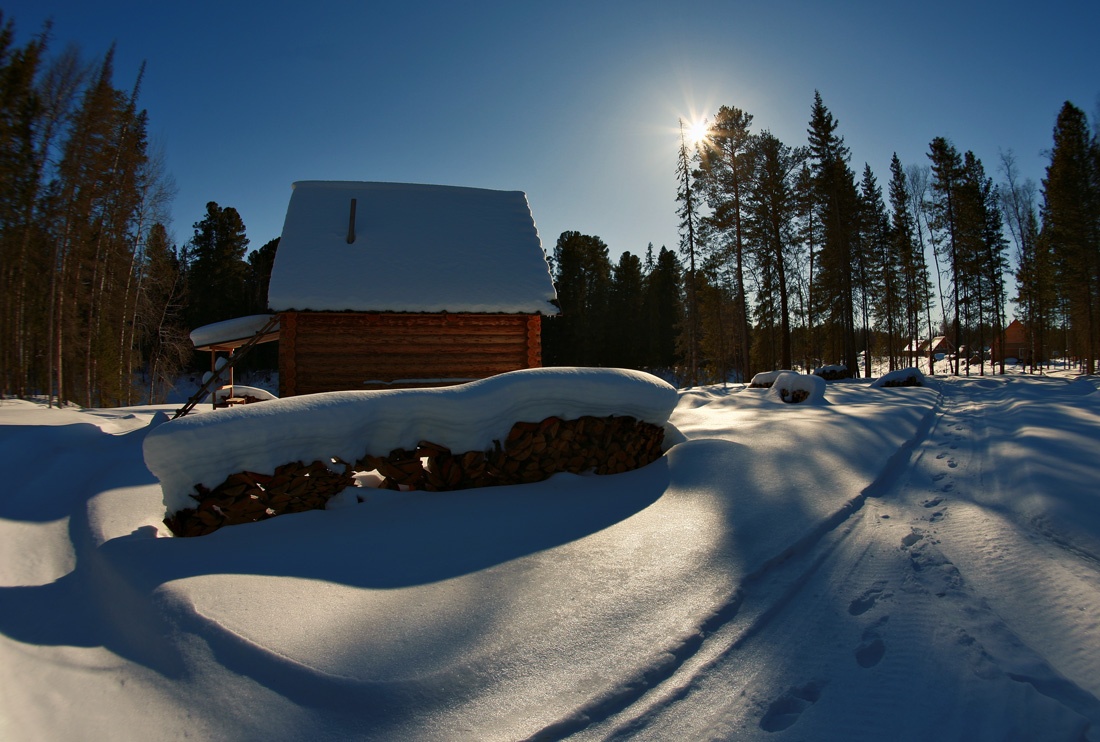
pixel 337 351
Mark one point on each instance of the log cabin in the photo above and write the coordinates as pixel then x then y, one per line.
pixel 385 285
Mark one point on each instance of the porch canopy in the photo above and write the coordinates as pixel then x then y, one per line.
pixel 231 334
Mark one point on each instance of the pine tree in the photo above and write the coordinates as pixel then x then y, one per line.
pixel 771 207
pixel 688 212
pixel 883 288
pixel 945 220
pixel 725 174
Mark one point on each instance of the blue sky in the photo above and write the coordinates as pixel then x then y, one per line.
pixel 575 103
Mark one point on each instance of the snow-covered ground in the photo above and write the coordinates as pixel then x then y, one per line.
pixel 885 563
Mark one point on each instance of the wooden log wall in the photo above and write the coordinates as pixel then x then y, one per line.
pixel 337 351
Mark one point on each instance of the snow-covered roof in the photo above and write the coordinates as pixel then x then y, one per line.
pixel 233 333
pixel 413 248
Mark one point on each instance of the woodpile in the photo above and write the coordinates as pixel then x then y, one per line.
pixel 793 396
pixel 530 453
pixel 247 497
pixel 911 380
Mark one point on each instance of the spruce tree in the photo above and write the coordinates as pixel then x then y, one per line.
pixel 582 275
pixel 1071 227
pixel 915 288
pixel 217 274
pixel 837 203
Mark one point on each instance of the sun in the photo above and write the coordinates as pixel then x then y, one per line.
pixel 696 132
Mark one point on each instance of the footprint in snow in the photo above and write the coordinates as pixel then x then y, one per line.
pixel 938 477
pixel 951 463
pixel 872 648
pixel 933 502
pixel 785 710
pixel 914 536
pixel 867 600
pixel 941 455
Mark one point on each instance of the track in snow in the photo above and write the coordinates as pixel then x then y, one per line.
pixel 938 604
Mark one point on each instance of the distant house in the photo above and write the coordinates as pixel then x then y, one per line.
pixel 1017 344
pixel 383 285
pixel 924 348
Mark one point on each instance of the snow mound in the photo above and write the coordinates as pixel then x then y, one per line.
pixel 205 449
pixel 795 388
pixel 901 377
pixel 1085 384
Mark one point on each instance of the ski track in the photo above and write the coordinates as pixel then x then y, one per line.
pixel 928 606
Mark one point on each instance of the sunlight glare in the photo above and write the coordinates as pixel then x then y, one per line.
pixel 697 132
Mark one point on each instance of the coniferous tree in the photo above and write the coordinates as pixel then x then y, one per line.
pixel 1035 298
pixel 1071 228
pixel 883 288
pixel 163 336
pixel 944 208
pixel 836 200
pixel 217 274
pixel 91 214
pixel 725 175
pixel 688 212
pixel 582 275
pixel 662 310
pixel 915 288
pixel 260 263
pixel 771 206
pixel 809 234
pixel 626 334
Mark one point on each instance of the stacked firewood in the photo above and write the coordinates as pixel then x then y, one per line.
pixel 531 452
pixel 793 396
pixel 911 380
pixel 247 497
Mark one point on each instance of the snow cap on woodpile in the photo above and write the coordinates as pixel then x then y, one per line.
pixel 206 448
pixel 900 377
pixel 765 379
pixel 404 247
pixel 797 388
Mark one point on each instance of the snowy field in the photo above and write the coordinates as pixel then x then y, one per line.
pixel 883 563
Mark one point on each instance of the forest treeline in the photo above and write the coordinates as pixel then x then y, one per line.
pixel 95 300
pixel 789 258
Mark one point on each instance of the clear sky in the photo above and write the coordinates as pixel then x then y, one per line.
pixel 575 103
